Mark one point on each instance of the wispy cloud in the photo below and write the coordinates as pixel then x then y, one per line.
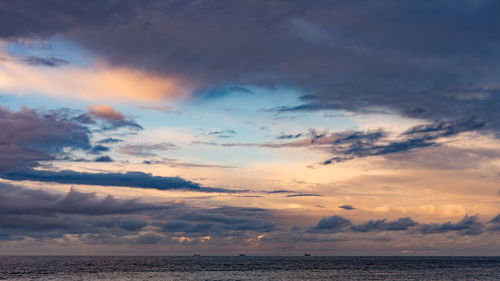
pixel 348 145
pixel 145 150
pixel 50 62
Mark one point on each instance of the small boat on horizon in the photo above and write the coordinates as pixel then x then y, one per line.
pixel 307 255
pixel 242 255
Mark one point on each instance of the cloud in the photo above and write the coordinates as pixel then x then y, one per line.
pixel 101 82
pixel 361 144
pixel 496 219
pixel 290 136
pixel 347 207
pixel 97 149
pixel 279 191
pixel 30 136
pixel 469 225
pixel 495 224
pixel 50 62
pixel 222 134
pixel 418 59
pixel 109 141
pixel 145 150
pixel 104 159
pixel 92 219
pixel 106 112
pixel 22 201
pixel 332 224
pixel 382 225
pixel 113 119
pixel 148 239
pixel 160 108
pixel 348 145
pixel 40 214
pixel 221 220
pixel 304 195
pixel 306 107
pixel 444 157
pixel 128 179
pixel 177 163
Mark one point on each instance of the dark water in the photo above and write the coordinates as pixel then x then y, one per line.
pixel 249 268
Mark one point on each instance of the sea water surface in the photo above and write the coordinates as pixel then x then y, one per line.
pixel 248 268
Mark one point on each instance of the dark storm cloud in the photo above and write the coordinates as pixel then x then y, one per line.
pixel 129 179
pixel 432 60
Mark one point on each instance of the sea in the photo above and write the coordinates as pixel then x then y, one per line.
pixel 248 268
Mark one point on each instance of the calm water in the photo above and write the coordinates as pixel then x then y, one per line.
pixel 249 268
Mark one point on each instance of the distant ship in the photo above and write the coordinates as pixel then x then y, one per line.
pixel 196 255
pixel 242 255
pixel 307 255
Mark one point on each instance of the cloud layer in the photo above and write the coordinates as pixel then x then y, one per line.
pixel 30 137
pixel 420 59
pixel 92 219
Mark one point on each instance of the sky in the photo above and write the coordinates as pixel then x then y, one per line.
pixel 258 127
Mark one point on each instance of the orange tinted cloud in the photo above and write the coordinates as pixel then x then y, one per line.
pixel 105 112
pixel 96 83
